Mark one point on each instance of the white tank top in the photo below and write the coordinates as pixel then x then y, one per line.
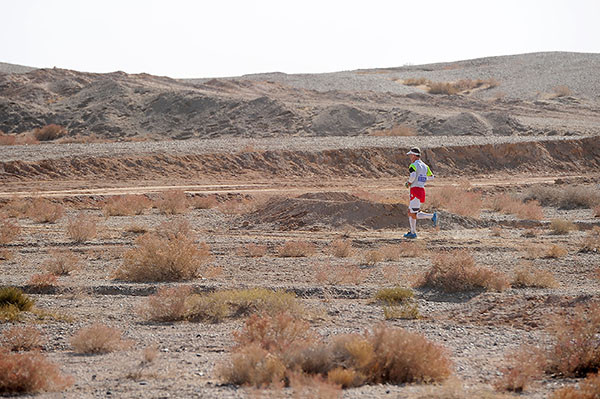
pixel 422 173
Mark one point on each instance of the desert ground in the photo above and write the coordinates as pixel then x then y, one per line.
pixel 248 164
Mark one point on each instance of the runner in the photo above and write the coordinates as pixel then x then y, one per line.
pixel 419 175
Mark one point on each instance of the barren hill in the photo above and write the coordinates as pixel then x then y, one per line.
pixel 525 101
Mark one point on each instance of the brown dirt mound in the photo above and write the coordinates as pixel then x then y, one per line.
pixel 338 210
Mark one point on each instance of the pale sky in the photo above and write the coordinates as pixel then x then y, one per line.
pixel 195 39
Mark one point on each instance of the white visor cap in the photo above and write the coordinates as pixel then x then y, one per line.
pixel 414 151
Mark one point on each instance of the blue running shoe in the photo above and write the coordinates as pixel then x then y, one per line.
pixel 407 234
pixel 434 219
pixel 410 235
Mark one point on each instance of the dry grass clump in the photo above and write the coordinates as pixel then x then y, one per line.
pixel 455 271
pixel 394 252
pixel 204 202
pixel 62 262
pixel 395 131
pixel 7 139
pixel 168 304
pixel 271 348
pixel 526 275
pixel 398 303
pixel 596 211
pixel 589 388
pixel 555 252
pixel 415 81
pixel 252 251
pixel 49 132
pixel 23 338
pixel 591 242
pixel 238 206
pixel 9 231
pixel 460 86
pixel 559 226
pixel 576 349
pixel 217 306
pixel 173 202
pixel 126 205
pixel 167 255
pixel 82 228
pixel 404 311
pixel 522 368
pixel 135 228
pixel 30 372
pixel 570 197
pixel 562 91
pixel 98 339
pixel 43 282
pixel 16 208
pixel 394 295
pixel 508 204
pixel 340 248
pixel 457 200
pixel 42 210
pixel 326 273
pixel 296 249
pixel 372 257
pixel 13 300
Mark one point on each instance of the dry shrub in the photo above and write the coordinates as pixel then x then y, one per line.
pixel 455 271
pixel 30 372
pixel 136 229
pixel 396 131
pixel 237 206
pixel 171 255
pixel 415 81
pixel 496 231
pixel 15 298
pixel 326 273
pixel 126 205
pixel 340 248
pixel 45 211
pixel 523 367
pixel 173 202
pixel 596 211
pixel 82 228
pixel 589 388
pixel 212 272
pixel 404 311
pixel 394 295
pixel 168 304
pixel 25 338
pixel 576 350
pixel 534 251
pixel 43 281
pixel 6 254
pixel 49 132
pixel 555 252
pixel 527 275
pixel 591 242
pixel 559 226
pixel 372 257
pixel 460 86
pixel 286 347
pixel 570 197
pixel 98 339
pixel 219 305
pixel 296 249
pixel 457 200
pixel 562 91
pixel 16 208
pixel 9 231
pixel 204 202
pixel 508 204
pixel 313 386
pixel 252 251
pixel 62 262
pixel 442 88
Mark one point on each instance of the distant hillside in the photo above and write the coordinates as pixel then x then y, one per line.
pixel 525 101
pixel 13 68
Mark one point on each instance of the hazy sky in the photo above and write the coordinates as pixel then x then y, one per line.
pixel 226 38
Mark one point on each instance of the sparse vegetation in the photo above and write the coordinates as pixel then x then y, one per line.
pixel 14 297
pixel 49 132
pixel 569 197
pixel 126 205
pixel 556 251
pixel 23 338
pixel 252 250
pixel 341 248
pixel 527 275
pixel 456 271
pixel 508 204
pixel 164 256
pixel 415 81
pixel 9 231
pixel 296 249
pixel 217 306
pixel 589 388
pixel 327 273
pixel 43 282
pixel 522 368
pixel 463 85
pixel 204 202
pixel 168 304
pixel 591 242
pixel 30 372
pixel 560 227
pixel 82 228
pixel 406 311
pixel 98 339
pixel 562 91
pixel 456 200
pixel 394 295
pixel 45 211
pixel 269 349
pixel 172 202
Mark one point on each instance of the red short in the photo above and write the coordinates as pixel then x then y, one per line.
pixel 417 192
